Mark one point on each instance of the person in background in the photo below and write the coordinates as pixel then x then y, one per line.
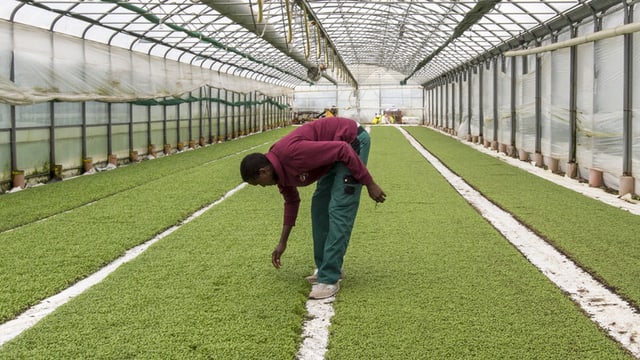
pixel 333 152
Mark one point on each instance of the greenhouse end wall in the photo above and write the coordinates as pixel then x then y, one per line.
pixel 364 103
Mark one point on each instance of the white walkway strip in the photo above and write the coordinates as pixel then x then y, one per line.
pixel 607 309
pixel 15 327
pixel 316 330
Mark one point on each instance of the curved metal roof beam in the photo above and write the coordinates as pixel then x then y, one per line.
pixel 154 19
pixel 482 8
pixel 242 15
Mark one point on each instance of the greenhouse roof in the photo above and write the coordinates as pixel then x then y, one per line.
pixel 284 41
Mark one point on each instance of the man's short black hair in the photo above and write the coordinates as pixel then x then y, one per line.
pixel 251 165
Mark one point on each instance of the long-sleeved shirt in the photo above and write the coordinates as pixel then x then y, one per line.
pixel 310 151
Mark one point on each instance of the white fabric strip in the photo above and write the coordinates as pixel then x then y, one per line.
pixel 316 330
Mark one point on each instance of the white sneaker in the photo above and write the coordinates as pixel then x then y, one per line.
pixel 313 279
pixel 323 291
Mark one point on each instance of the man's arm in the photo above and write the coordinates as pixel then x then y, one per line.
pixel 321 153
pixel 291 205
pixel 376 193
pixel 281 247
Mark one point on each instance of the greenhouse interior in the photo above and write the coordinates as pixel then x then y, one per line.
pixel 86 86
pixel 88 83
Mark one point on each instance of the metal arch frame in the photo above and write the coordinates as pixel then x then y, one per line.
pixel 384 12
pixel 547 29
pixel 484 51
pixel 116 30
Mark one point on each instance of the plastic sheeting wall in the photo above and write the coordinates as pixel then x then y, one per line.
pixel 504 102
pixel 144 125
pixel 635 133
pixel 76 99
pixel 525 103
pixel 606 126
pixel 55 66
pixel 487 102
pixel 599 103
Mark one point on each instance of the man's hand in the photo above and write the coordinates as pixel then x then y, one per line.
pixel 376 193
pixel 277 252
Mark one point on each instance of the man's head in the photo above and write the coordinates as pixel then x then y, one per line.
pixel 256 169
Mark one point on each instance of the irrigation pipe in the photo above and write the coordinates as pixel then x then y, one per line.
pixel 608 310
pixel 307 47
pixel 600 35
pixel 10 329
pixel 289 27
pixel 260 5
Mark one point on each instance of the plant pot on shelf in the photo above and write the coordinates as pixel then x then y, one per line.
pixel 595 177
pixel 523 155
pixel 87 164
pixel 17 177
pixel 627 185
pixel 539 159
pixel 554 165
pixel 113 159
pixel 572 170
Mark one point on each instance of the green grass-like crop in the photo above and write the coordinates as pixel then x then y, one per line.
pixel 599 237
pixel 427 277
pixel 42 258
pixel 206 291
pixel 36 203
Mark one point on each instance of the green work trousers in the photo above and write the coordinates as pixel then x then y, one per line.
pixel 333 212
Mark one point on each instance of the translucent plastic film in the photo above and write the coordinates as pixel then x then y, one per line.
pixel 504 103
pixel 559 104
pixel 487 102
pixel 607 129
pixel 635 132
pixel 49 66
pixel 525 104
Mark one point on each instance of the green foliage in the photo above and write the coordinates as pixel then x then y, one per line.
pixel 427 277
pixel 40 202
pixel 98 217
pixel 206 291
pixel 599 237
